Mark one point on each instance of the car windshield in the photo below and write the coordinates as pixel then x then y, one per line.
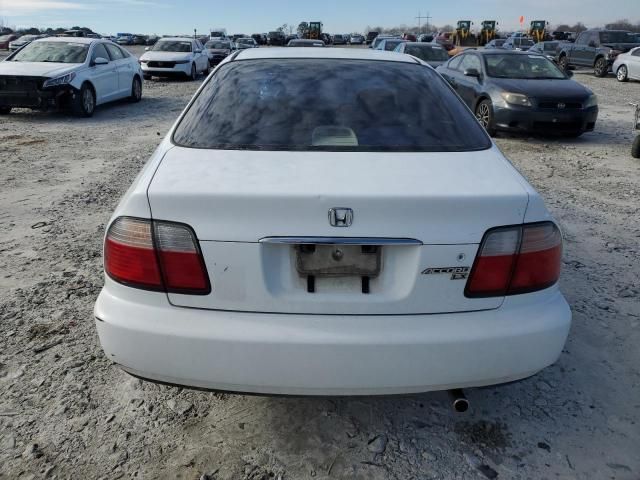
pixel 246 41
pixel 335 105
pixel 551 46
pixel 614 37
pixel 521 67
pixel 427 53
pixel 172 46
pixel 498 43
pixel 57 52
pixel 218 45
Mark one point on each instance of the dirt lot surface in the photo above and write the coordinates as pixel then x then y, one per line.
pixel 67 412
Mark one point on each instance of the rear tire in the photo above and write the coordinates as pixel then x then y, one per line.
pixel 5 110
pixel 563 63
pixel 194 72
pixel 136 90
pixel 622 74
pixel 601 68
pixel 635 148
pixel 484 114
pixel 85 103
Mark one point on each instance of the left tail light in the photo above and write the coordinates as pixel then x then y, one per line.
pixel 155 255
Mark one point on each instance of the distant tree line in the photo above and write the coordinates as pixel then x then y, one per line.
pixel 4 30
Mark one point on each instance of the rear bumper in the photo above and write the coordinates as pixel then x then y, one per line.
pixel 545 121
pixel 330 355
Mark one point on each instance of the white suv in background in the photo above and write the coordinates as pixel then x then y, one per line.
pixel 179 56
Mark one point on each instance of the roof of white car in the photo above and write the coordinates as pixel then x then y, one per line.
pixel 327 53
pixel 176 39
pixel 86 40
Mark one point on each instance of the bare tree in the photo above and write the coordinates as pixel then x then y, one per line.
pixel 623 24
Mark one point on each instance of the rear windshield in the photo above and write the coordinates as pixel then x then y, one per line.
pixel 55 52
pixel 218 45
pixel 329 104
pixel 614 37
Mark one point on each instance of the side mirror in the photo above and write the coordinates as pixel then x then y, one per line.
pixel 146 49
pixel 100 61
pixel 472 72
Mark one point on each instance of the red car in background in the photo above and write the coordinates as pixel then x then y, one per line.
pixel 409 37
pixel 5 40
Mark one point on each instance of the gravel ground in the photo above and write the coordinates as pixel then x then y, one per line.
pixel 67 412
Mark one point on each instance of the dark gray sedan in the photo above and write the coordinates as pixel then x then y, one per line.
pixel 434 55
pixel 517 91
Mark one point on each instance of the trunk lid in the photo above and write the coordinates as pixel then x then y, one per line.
pixel 235 199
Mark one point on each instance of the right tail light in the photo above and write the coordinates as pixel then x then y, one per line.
pixel 515 260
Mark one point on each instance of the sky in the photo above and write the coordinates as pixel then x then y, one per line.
pixel 254 16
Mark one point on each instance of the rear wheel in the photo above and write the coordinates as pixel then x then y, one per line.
pixel 85 103
pixel 5 110
pixel 136 90
pixel 635 148
pixel 194 72
pixel 601 68
pixel 484 114
pixel 563 63
pixel 622 74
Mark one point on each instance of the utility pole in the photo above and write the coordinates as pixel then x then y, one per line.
pixel 420 17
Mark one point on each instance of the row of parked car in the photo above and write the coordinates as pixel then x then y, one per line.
pixel 606 51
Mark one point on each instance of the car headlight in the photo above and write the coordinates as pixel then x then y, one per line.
pixel 516 99
pixel 592 101
pixel 63 80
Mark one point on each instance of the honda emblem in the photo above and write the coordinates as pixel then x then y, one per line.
pixel 340 217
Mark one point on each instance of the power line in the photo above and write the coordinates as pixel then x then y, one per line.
pixel 420 18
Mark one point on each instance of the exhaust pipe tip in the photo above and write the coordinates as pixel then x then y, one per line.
pixel 460 403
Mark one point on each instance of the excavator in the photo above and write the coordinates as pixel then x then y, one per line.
pixel 487 32
pixel 463 37
pixel 538 31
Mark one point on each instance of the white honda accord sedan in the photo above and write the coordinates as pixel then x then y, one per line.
pixel 73 72
pixel 330 222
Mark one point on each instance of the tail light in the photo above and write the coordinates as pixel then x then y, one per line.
pixel 514 260
pixel 153 255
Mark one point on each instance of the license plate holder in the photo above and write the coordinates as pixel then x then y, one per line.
pixel 338 260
